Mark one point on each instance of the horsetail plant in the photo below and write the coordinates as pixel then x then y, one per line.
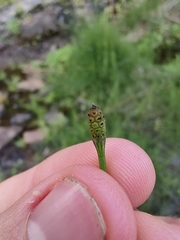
pixel 97 127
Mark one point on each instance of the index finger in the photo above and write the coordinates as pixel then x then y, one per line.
pixel 127 163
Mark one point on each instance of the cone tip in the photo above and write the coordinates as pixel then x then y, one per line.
pixel 93 105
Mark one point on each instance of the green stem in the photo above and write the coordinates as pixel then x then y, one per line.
pixel 100 148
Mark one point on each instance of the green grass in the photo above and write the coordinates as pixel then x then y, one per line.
pixel 140 12
pixel 99 62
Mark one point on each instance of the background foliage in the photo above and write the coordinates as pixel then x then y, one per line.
pixel 141 96
pixel 136 84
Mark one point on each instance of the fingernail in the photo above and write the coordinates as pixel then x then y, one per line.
pixel 67 212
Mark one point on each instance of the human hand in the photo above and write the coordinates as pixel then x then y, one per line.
pixel 68 197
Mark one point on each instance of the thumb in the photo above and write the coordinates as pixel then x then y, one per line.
pixel 78 202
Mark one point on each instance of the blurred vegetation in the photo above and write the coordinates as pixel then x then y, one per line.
pixel 137 85
pixel 139 98
pixel 14 26
pixel 6 2
pixel 139 12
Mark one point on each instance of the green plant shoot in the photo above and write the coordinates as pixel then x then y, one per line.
pixel 97 127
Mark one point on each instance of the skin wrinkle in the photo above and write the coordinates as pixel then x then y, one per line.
pixel 127 178
pixel 152 228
